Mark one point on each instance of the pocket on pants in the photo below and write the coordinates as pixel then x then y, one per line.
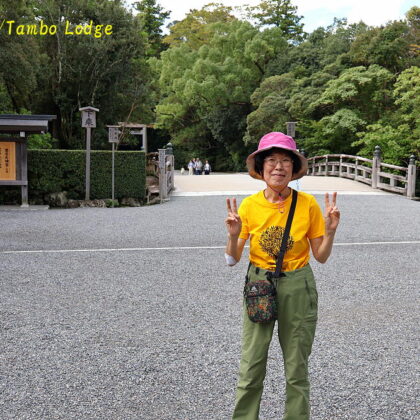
pixel 312 295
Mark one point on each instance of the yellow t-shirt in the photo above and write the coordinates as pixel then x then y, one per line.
pixel 263 222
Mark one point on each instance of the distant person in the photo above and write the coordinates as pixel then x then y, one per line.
pixel 190 167
pixel 207 168
pixel 199 166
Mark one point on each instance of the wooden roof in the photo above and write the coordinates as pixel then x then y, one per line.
pixel 33 124
pixel 134 125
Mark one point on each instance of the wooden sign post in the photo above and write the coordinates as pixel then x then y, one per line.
pixel 291 128
pixel 88 122
pixel 113 138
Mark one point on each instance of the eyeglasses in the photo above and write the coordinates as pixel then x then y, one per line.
pixel 285 162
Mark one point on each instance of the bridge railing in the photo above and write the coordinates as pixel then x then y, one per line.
pixel 373 172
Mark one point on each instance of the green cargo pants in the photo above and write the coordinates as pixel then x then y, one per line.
pixel 297 301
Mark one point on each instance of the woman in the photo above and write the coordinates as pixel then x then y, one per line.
pixel 207 168
pixel 190 167
pixel 262 217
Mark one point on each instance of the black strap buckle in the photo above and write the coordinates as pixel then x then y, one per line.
pixel 272 275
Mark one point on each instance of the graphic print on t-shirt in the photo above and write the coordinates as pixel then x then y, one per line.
pixel 270 241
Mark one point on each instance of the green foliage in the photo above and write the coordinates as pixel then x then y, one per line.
pixel 312 139
pixel 6 106
pixel 387 46
pixel 271 100
pixel 111 203
pixel 206 93
pixel 398 135
pixel 41 141
pixel 413 21
pixel 57 74
pixel 340 129
pixel 216 84
pixel 407 95
pixel 281 14
pixel 321 48
pixel 196 29
pixel 20 58
pixel 394 143
pixel 361 88
pixel 152 17
pixel 51 171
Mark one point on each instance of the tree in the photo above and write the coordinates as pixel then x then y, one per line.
pixel 407 97
pixel 209 89
pixel 196 29
pixel 413 21
pixel 20 58
pixel 109 72
pixel 397 133
pixel 271 102
pixel 323 47
pixel 387 46
pixel 281 14
pixel 152 17
pixel 361 88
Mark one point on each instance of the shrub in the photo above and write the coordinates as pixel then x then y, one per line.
pixel 52 171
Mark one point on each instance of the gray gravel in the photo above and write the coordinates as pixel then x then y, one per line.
pixel 155 335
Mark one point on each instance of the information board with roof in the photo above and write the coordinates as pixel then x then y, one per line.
pixel 14 130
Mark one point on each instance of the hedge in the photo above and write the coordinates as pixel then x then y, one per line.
pixel 51 171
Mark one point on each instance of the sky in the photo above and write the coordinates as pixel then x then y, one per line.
pixel 315 13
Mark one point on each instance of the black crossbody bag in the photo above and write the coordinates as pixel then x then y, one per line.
pixel 260 294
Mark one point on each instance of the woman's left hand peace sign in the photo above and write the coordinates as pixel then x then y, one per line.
pixel 332 214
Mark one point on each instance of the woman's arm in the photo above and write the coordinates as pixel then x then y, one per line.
pixel 234 249
pixel 322 246
pixel 235 244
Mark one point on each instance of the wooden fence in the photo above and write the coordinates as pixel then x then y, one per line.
pixel 379 175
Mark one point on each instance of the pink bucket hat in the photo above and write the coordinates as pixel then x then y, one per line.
pixel 280 141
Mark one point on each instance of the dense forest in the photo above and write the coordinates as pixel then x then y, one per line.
pixel 216 81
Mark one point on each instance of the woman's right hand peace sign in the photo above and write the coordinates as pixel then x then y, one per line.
pixel 233 221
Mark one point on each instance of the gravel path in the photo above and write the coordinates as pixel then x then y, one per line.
pixel 155 334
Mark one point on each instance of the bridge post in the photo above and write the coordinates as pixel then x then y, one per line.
pixel 170 168
pixel 376 167
pixel 291 128
pixel 411 178
pixel 163 190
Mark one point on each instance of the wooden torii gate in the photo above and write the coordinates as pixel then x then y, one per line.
pixel 137 129
pixel 14 130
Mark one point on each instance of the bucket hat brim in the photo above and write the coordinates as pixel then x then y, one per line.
pixel 281 145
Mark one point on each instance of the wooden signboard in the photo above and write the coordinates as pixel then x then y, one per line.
pixel 7 161
pixel 89 119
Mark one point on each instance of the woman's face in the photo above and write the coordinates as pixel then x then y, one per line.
pixel 278 170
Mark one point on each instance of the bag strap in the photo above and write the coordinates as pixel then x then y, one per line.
pixel 247 273
pixel 283 247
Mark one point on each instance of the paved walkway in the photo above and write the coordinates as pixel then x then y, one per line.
pixel 243 184
pixel 132 313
